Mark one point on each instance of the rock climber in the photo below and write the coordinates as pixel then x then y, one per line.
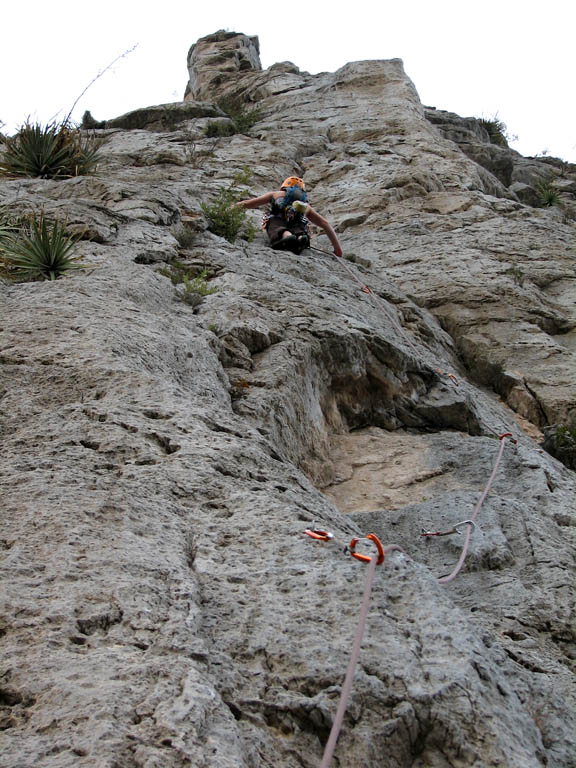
pixel 287 221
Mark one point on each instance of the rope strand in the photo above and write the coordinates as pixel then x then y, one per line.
pixel 457 569
pixel 349 679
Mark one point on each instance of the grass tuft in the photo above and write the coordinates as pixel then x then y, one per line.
pixel 193 286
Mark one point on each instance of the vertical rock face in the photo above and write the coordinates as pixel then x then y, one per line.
pixel 161 604
pixel 217 56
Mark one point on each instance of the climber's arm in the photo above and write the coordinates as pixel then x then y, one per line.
pixel 255 202
pixel 321 222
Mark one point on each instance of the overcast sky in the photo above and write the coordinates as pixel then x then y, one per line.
pixel 511 58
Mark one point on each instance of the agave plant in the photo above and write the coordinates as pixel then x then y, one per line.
pixel 41 250
pixel 52 151
pixel 547 193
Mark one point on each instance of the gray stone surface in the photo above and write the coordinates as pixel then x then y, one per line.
pixel 161 606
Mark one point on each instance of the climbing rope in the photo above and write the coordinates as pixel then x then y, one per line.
pixel 379 304
pixel 326 536
pixel 373 561
pixel 471 523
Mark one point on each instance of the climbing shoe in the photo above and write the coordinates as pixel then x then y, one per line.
pixel 285 243
pixel 302 242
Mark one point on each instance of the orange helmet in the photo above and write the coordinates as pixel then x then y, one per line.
pixel 293 181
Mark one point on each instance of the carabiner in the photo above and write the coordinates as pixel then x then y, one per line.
pixel 366 558
pixel 319 535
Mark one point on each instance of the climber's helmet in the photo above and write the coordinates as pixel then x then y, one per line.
pixel 293 181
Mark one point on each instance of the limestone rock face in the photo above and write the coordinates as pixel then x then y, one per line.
pixel 161 605
pixel 215 57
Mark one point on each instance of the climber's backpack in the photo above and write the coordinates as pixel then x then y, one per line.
pixel 283 207
pixel 291 194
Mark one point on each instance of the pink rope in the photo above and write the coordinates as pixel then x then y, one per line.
pixel 456 571
pixel 348 680
pixel 378 303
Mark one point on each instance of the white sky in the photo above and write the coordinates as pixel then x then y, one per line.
pixel 513 58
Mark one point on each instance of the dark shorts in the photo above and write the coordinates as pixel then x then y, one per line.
pixel 276 226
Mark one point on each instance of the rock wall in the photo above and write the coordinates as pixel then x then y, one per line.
pixel 161 605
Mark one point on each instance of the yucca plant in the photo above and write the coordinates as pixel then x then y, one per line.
pixel 40 250
pixel 52 151
pixel 497 130
pixel 547 193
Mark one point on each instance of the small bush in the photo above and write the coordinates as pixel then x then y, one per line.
pixel 37 249
pixel 52 151
pixel 497 131
pixel 226 220
pixel 185 236
pixel 547 193
pixel 89 123
pixel 195 287
pixel 516 274
pixel 560 442
pixel 243 118
pixel 216 129
pixel 197 155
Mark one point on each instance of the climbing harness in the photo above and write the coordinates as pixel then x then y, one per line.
pixel 471 525
pixel 372 561
pixel 289 211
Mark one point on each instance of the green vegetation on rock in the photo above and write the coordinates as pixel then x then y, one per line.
pixel 560 441
pixel 52 151
pixel 36 248
pixel 547 193
pixel 224 219
pixel 242 118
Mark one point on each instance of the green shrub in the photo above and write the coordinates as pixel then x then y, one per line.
pixel 197 285
pixel 194 284
pixel 516 274
pixel 52 151
pixel 37 248
pixel 88 123
pixel 497 130
pixel 224 219
pixel 216 129
pixel 547 193
pixel 560 442
pixel 185 236
pixel 243 118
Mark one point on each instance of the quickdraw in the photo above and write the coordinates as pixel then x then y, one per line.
pixel 373 562
pixel 470 523
pixel 319 535
pixel 454 529
pixel 367 558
